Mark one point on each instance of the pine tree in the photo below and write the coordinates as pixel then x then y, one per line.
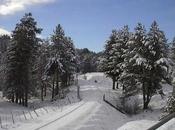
pixel 41 62
pixel 108 62
pixel 170 108
pixel 172 50
pixel 132 76
pixel 4 43
pixel 120 54
pixel 172 55
pixel 62 63
pixel 20 56
pixel 70 60
pixel 113 62
pixel 157 65
pixel 55 67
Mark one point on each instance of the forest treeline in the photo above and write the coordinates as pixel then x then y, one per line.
pixel 140 61
pixel 30 66
pixel 137 61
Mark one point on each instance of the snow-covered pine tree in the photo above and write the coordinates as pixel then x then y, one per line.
pixel 55 67
pixel 20 54
pixel 41 62
pixel 157 65
pixel 133 61
pixel 172 55
pixel 114 54
pixel 62 63
pixel 170 108
pixel 4 43
pixel 70 60
pixel 120 55
pixel 173 49
pixel 110 61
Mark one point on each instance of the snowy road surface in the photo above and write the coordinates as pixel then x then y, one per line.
pixel 89 114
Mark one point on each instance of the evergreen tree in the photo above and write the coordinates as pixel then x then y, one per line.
pixel 54 67
pixel 134 61
pixel 70 61
pixel 62 64
pixel 121 56
pixel 157 63
pixel 41 62
pixel 172 51
pixel 170 108
pixel 20 56
pixel 113 63
pixel 138 60
pixel 4 43
pixel 88 60
pixel 172 55
pixel 108 63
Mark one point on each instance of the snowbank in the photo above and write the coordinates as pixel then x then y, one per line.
pixel 170 125
pixel 137 125
pixel 145 124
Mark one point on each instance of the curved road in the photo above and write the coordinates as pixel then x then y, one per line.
pixel 90 114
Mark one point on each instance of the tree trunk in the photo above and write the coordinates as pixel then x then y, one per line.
pixel 147 101
pixel 69 80
pixel 53 88
pixel 117 85
pixel 123 87
pixel 45 90
pixel 17 95
pixel 26 96
pixel 20 99
pixel 113 81
pixel 57 84
pixel 13 98
pixel 42 93
pixel 145 106
pixel 144 96
pixel 23 99
pixel 66 79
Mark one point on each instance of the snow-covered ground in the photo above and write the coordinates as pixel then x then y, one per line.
pixel 137 125
pixel 170 125
pixel 145 124
pixel 91 113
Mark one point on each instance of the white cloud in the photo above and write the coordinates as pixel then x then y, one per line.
pixel 11 6
pixel 3 31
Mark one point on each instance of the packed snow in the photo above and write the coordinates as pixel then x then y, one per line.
pixel 170 125
pixel 137 125
pixel 91 113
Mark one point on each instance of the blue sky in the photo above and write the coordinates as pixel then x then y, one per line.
pixel 89 22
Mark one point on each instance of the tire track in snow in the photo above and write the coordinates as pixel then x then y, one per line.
pixel 49 123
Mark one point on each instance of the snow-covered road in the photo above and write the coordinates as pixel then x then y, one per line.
pixel 94 114
pixel 89 114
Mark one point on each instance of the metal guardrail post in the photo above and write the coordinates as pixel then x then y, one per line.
pixel 1 122
pixel 78 87
pixel 162 122
pixel 118 109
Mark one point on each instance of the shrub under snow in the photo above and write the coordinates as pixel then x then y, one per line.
pixel 131 105
pixel 171 104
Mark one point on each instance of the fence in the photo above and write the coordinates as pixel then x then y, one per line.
pixel 114 106
pixel 11 118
